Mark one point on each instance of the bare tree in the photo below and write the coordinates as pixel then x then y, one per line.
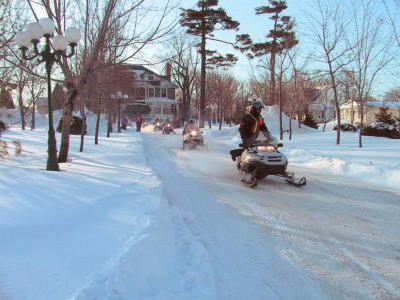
pixel 327 30
pixel 183 59
pixel 371 52
pixel 124 27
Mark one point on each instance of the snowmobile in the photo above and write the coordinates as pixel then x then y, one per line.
pixel 262 159
pixel 157 127
pixel 193 139
pixel 167 129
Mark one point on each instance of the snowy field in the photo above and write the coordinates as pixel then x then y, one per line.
pixel 136 217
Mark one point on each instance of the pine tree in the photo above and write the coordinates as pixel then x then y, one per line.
pixel 203 22
pixel 309 120
pixel 279 39
pixel 384 117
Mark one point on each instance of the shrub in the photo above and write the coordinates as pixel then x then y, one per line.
pixel 382 130
pixel 385 126
pixel 346 127
pixel 309 120
pixel 76 125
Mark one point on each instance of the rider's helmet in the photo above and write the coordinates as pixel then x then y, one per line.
pixel 191 121
pixel 257 106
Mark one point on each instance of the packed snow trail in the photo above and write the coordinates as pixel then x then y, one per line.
pixel 335 238
pixel 244 256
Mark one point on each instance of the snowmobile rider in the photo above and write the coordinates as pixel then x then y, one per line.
pixel 156 121
pixel 189 127
pixel 167 122
pixel 251 125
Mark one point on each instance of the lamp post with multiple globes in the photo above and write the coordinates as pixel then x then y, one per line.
pixel 119 96
pixel 32 35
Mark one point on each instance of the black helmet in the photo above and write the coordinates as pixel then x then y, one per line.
pixel 257 104
pixel 191 121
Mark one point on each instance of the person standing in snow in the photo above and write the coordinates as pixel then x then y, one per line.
pixel 252 124
pixel 139 121
pixel 124 123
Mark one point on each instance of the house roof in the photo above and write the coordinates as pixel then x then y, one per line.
pixel 141 70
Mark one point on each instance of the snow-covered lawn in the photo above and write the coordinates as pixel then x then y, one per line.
pixel 62 232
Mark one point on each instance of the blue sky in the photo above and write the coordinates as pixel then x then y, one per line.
pixel 257 27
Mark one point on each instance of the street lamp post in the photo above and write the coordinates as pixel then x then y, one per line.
pixel 32 35
pixel 119 96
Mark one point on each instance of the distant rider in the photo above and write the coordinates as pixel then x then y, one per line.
pixel 252 124
pixel 139 121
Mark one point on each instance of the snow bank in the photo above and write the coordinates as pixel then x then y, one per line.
pixel 377 163
pixel 94 230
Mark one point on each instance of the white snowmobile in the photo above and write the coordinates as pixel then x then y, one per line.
pixel 193 139
pixel 262 159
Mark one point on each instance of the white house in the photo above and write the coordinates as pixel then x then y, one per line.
pixel 154 96
pixel 350 112
pixel 323 107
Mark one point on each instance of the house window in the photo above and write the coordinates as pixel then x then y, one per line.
pixel 157 110
pixel 164 93
pixel 151 92
pixel 157 93
pixel 150 77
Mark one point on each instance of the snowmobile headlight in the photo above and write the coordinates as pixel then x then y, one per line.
pixel 194 132
pixel 168 125
pixel 158 124
pixel 266 148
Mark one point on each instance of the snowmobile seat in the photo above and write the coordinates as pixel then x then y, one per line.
pixel 236 153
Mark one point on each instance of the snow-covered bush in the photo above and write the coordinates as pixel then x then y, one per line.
pixel 385 125
pixel 3 126
pixel 3 149
pixel 382 130
pixel 346 127
pixel 76 125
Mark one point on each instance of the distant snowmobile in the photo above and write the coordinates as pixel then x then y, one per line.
pixel 167 129
pixel 157 127
pixel 262 159
pixel 193 139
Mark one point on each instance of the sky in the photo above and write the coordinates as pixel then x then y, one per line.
pixel 257 26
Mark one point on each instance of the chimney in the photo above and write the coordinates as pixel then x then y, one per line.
pixel 168 71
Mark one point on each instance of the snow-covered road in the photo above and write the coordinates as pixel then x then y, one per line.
pixel 335 238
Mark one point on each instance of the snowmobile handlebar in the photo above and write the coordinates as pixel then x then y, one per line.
pixel 261 143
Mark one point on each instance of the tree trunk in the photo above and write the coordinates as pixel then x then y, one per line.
pixel 96 135
pixel 361 109
pixel 203 81
pixel 298 119
pixel 290 125
pixel 280 108
pixel 66 126
pixel 220 117
pixel 272 91
pixel 83 130
pixel 33 123
pixel 337 108
pixel 21 106
pixel 109 124
pixel 188 100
